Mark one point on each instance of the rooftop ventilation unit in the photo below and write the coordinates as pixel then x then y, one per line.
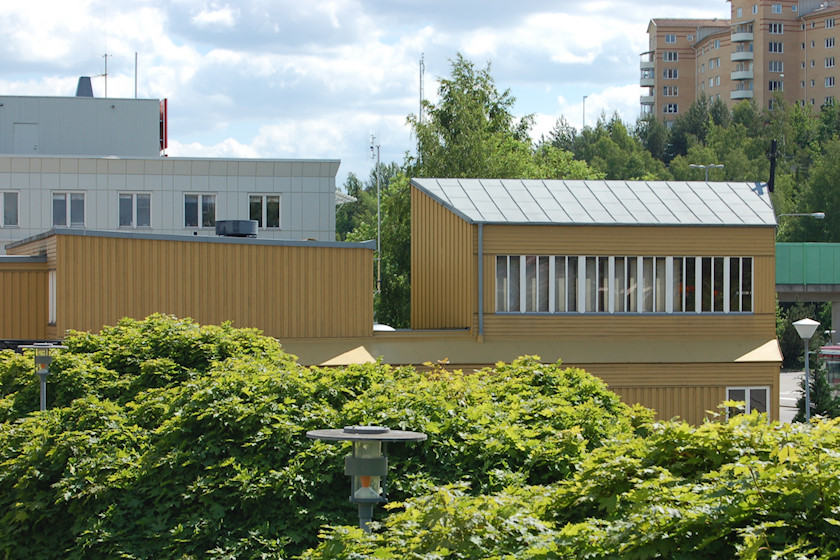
pixel 236 228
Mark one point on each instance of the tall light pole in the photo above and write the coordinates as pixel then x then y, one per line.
pixel 43 359
pixel 806 329
pixel 706 167
pixel 584 113
pixel 374 151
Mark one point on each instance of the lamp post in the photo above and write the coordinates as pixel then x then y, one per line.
pixel 43 359
pixel 584 113
pixel 806 328
pixel 367 465
pixel 815 215
pixel 706 167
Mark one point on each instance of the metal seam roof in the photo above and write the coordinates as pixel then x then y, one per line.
pixel 578 202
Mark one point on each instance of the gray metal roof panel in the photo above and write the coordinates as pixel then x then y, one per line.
pixel 602 202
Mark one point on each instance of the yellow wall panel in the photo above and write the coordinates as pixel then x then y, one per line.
pixel 443 267
pixel 23 306
pixel 286 291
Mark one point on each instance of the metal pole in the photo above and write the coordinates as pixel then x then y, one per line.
pixel 807 382
pixel 43 392
pixel 365 517
pixel 378 228
pixel 584 113
pixel 707 174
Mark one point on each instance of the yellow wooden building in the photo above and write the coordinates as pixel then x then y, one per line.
pixel 664 290
pixel 84 280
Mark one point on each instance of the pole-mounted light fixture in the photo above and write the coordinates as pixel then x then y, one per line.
pixel 367 465
pixel 815 215
pixel 806 328
pixel 706 167
pixel 43 359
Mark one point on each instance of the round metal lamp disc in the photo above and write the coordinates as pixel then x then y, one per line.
pixel 365 433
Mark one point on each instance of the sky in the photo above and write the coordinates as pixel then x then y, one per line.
pixel 316 78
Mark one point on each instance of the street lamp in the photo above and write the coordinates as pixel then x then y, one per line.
pixel 815 215
pixel 367 465
pixel 706 167
pixel 584 113
pixel 43 359
pixel 806 328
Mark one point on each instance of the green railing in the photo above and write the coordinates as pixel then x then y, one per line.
pixel 807 263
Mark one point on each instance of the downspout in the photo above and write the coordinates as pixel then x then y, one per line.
pixel 481 282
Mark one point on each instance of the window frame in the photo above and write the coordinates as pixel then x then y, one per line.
pixel 200 207
pixel 68 196
pixel 748 400
pixel 263 220
pixel 135 210
pixel 4 207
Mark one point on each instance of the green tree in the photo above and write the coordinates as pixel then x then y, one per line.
pixel 823 400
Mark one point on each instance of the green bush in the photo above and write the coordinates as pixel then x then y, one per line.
pixel 166 439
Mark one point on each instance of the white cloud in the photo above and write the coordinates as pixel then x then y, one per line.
pixel 216 17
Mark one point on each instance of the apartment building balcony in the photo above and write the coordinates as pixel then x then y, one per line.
pixel 742 37
pixel 647 63
pixel 741 94
pixel 647 82
pixel 741 55
pixel 646 100
pixel 742 75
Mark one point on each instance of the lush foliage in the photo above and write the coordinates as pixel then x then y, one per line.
pixel 166 439
pixel 737 489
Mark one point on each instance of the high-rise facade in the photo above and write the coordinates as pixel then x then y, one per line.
pixel 767 49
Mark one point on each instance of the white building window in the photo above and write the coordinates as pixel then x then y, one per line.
pixel 51 298
pixel 755 9
pixel 776 66
pixel 670 56
pixel 589 284
pixel 776 8
pixel 199 210
pixel 670 73
pixel 777 28
pixel 135 210
pixel 671 108
pixel 68 209
pixel 755 399
pixel 829 42
pixel 670 91
pixel 829 62
pixel 739 12
pixel 829 23
pixel 670 37
pixel 775 85
pixel 776 47
pixel 265 209
pixel 10 210
pixel 829 81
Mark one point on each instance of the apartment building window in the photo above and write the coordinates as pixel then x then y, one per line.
pixel 776 8
pixel 776 85
pixel 813 83
pixel 813 63
pixel 754 398
pixel 623 284
pixel 702 68
pixel 670 91
pixel 829 100
pixel 794 8
pixel 670 108
pixel 670 56
pixel 829 42
pixel 717 80
pixel 829 62
pixel 802 85
pixel 829 23
pixel 776 66
pixel 717 44
pixel 135 210
pixel 776 47
pixel 265 209
pixel 670 73
pixel 777 28
pixel 812 44
pixel 200 210
pixel 689 37
pixel 670 37
pixel 10 209
pixel 711 82
pixel 755 9
pixel 829 81
pixel 68 209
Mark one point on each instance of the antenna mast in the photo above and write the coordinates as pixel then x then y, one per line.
pixel 374 152
pixel 105 75
pixel 422 70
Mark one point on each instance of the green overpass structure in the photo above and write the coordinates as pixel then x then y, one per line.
pixel 810 272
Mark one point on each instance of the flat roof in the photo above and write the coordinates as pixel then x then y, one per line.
pixel 614 203
pixel 191 239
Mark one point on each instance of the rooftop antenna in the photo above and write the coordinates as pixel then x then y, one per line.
pixel 135 74
pixel 374 152
pixel 422 71
pixel 105 75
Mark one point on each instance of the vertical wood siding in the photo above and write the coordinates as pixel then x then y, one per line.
pixel 287 292
pixel 23 306
pixel 443 266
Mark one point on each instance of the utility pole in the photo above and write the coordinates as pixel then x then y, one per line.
pixel 374 152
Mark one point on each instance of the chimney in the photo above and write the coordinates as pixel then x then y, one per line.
pixel 84 89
